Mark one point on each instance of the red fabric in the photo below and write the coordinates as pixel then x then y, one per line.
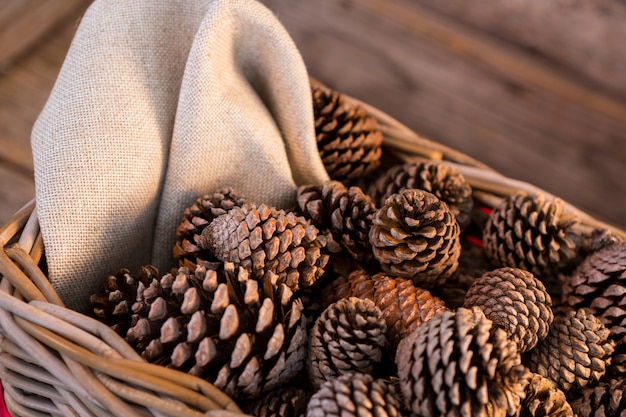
pixel 3 408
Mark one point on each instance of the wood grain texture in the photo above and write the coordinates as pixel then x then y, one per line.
pixel 438 82
pixel 24 89
pixel 24 22
pixel 585 36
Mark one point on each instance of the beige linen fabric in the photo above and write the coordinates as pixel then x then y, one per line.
pixel 158 102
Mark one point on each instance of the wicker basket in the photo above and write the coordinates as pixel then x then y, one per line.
pixel 58 362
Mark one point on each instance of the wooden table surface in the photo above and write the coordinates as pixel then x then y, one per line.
pixel 380 51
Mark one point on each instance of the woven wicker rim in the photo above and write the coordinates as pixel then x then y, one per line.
pixel 57 362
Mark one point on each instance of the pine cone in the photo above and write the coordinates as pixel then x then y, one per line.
pixel 264 240
pixel 346 212
pixel 531 233
pixel 348 140
pixel 355 395
pixel 544 399
pixel 442 180
pixel 349 336
pixel 516 301
pixel 404 307
pixel 283 402
pixel 606 399
pixel 244 336
pixel 195 219
pixel 458 364
pixel 112 304
pixel 599 286
pixel 414 235
pixel 575 353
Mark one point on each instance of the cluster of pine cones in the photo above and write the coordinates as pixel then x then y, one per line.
pixel 387 291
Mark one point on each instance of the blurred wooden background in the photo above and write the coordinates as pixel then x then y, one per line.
pixel 519 103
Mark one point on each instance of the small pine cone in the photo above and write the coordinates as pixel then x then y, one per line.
pixel 195 219
pixel 355 395
pixel 576 352
pixel 266 240
pixel 112 304
pixel 348 139
pixel 283 402
pixel 605 399
pixel 414 235
pixel 349 336
pixel 442 180
pixel 459 364
pixel 244 336
pixel 544 399
pixel 516 301
pixel 531 233
pixel 599 286
pixel 346 212
pixel 404 306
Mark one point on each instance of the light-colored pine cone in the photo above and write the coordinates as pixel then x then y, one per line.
pixel 532 233
pixel 355 395
pixel 576 352
pixel 266 240
pixel 515 301
pixel 460 364
pixel 415 235
pixel 544 399
pixel 345 211
pixel 349 336
pixel 195 218
pixel 348 139
pixel 598 285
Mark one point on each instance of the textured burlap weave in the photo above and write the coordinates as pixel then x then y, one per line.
pixel 157 103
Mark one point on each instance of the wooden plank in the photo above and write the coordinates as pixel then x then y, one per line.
pixel 16 190
pixel 24 22
pixel 585 36
pixel 433 81
pixel 24 90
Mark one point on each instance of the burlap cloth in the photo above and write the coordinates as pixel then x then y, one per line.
pixel 158 102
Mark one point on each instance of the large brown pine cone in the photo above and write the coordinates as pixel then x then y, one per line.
pixel 531 233
pixel 355 395
pixel 576 352
pixel 112 303
pixel 244 336
pixel 604 399
pixel 440 179
pixel 266 240
pixel 415 235
pixel 599 286
pixel 404 306
pixel 516 301
pixel 283 402
pixel 349 336
pixel 459 364
pixel 195 218
pixel 348 140
pixel 345 211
